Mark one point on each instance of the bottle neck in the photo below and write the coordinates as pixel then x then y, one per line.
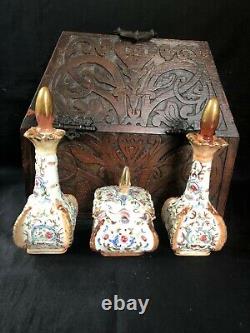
pixel 197 188
pixel 46 180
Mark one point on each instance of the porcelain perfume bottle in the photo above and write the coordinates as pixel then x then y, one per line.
pixel 194 226
pixel 47 222
pixel 123 220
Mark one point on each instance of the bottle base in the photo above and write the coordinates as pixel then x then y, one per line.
pixel 46 251
pixel 191 253
pixel 121 254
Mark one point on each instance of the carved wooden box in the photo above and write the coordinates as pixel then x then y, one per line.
pixel 125 103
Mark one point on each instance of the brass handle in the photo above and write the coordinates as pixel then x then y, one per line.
pixel 135 36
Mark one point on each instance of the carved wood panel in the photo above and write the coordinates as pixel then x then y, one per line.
pixel 154 87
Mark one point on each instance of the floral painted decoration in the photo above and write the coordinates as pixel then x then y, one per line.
pixel 194 226
pixel 123 220
pixel 47 222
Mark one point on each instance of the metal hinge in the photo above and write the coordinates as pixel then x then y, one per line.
pixel 75 125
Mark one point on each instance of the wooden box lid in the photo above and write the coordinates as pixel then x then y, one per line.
pixel 101 82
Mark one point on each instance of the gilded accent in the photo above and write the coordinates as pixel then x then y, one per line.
pixel 125 182
pixel 210 119
pixel 204 150
pixel 44 102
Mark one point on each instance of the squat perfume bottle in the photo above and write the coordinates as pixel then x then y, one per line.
pixel 123 220
pixel 47 222
pixel 194 226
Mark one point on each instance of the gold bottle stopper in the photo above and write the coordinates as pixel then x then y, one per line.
pixel 44 109
pixel 210 119
pixel 124 182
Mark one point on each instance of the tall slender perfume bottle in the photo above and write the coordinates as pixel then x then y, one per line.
pixel 194 226
pixel 47 222
pixel 123 220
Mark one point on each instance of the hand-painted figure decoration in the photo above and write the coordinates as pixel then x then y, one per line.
pixel 123 220
pixel 47 222
pixel 194 226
